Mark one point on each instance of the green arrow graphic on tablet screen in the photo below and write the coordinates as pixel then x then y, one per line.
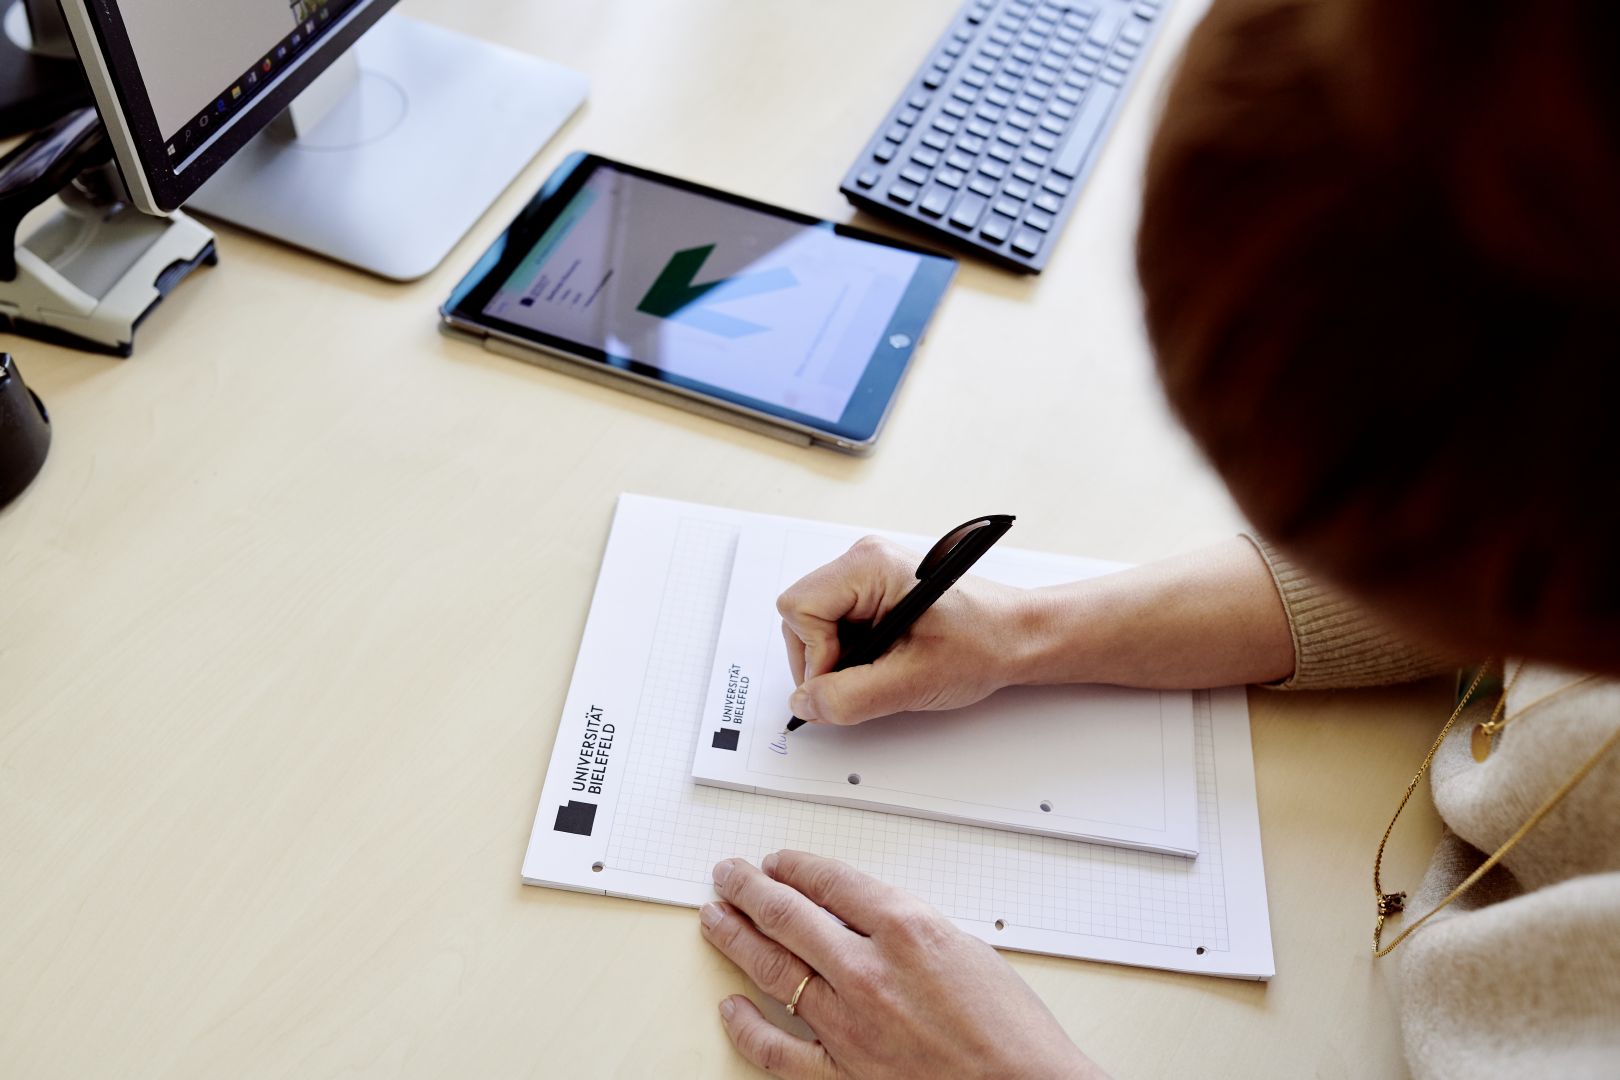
pixel 674 296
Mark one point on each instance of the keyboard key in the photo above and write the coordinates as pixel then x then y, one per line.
pixel 1061 109
pixel 918 100
pixel 1026 172
pixel 1092 51
pixel 1000 151
pixel 981 127
pixel 909 116
pixel 1057 185
pixel 983 64
pixel 1045 140
pixel 1010 207
pixel 1020 121
pixel 1011 136
pixel 1084 132
pixel 867 178
pixel 1111 77
pixel 996 228
pixel 896 134
pixel 999 98
pixel 1105 26
pixel 903 193
pixel 951 178
pixel 1054 124
pixel 936 201
pixel 933 78
pixel 946 124
pixel 1026 241
pixel 953 48
pixel 936 140
pixel 975 79
pixel 1037 89
pixel 1125 49
pixel 1036 156
pixel 925 157
pixel 1007 83
pixel 1136 30
pixel 958 160
pixel 1018 189
pixel 1119 63
pixel 956 108
pixel 987 111
pixel 1144 11
pixel 1069 94
pixel 915 173
pixel 983 185
pixel 1027 104
pixel 964 93
pixel 969 208
pixel 1039 219
pixel 1049 202
pixel 970 145
pixel 1024 54
pixel 885 151
pixel 992 168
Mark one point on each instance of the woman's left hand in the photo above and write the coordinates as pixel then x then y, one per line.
pixel 895 991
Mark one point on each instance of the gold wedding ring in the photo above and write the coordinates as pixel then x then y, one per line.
pixel 793 1005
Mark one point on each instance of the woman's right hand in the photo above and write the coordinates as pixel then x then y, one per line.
pixel 965 647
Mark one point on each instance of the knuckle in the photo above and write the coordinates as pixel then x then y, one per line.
pixel 775 970
pixel 919 926
pixel 832 703
pixel 764 1050
pixel 826 878
pixel 774 913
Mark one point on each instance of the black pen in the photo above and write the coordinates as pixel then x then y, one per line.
pixel 946 561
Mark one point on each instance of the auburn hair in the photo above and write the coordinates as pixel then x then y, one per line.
pixel 1380 251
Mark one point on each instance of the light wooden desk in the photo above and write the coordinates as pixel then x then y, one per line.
pixel 287 620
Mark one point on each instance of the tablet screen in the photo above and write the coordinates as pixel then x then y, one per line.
pixel 757 305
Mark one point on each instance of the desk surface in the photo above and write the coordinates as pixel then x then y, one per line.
pixel 287 620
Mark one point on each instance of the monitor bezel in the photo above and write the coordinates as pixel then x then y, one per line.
pixel 126 108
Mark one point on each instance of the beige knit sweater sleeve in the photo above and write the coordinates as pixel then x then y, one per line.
pixel 1337 642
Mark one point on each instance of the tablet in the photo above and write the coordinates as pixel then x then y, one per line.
pixel 758 315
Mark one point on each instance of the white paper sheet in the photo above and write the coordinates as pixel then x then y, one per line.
pixel 620 815
pixel 1076 762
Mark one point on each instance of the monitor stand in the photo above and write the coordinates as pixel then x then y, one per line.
pixel 388 158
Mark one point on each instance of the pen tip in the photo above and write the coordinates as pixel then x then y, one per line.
pixel 795 724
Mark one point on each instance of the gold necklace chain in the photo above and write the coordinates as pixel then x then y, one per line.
pixel 1392 903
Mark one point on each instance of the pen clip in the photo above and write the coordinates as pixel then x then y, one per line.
pixel 977 534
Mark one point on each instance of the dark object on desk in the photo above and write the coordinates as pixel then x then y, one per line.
pixel 946 561
pixel 995 135
pixel 25 432
pixel 42 82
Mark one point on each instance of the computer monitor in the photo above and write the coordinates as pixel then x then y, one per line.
pixel 399 137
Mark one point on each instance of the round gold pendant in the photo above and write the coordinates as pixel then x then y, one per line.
pixel 1481 743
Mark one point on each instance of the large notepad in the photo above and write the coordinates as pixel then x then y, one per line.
pixel 619 813
pixel 1080 763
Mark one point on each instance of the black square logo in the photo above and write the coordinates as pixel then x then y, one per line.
pixel 576 818
pixel 725 739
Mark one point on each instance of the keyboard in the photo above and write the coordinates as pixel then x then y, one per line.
pixel 990 143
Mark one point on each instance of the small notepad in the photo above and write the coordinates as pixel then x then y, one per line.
pixel 1100 764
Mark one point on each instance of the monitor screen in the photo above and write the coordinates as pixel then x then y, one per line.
pixel 182 85
pixel 204 61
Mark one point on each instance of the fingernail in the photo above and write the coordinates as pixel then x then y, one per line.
pixel 722 870
pixel 799 702
pixel 768 864
pixel 727 1007
pixel 711 915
